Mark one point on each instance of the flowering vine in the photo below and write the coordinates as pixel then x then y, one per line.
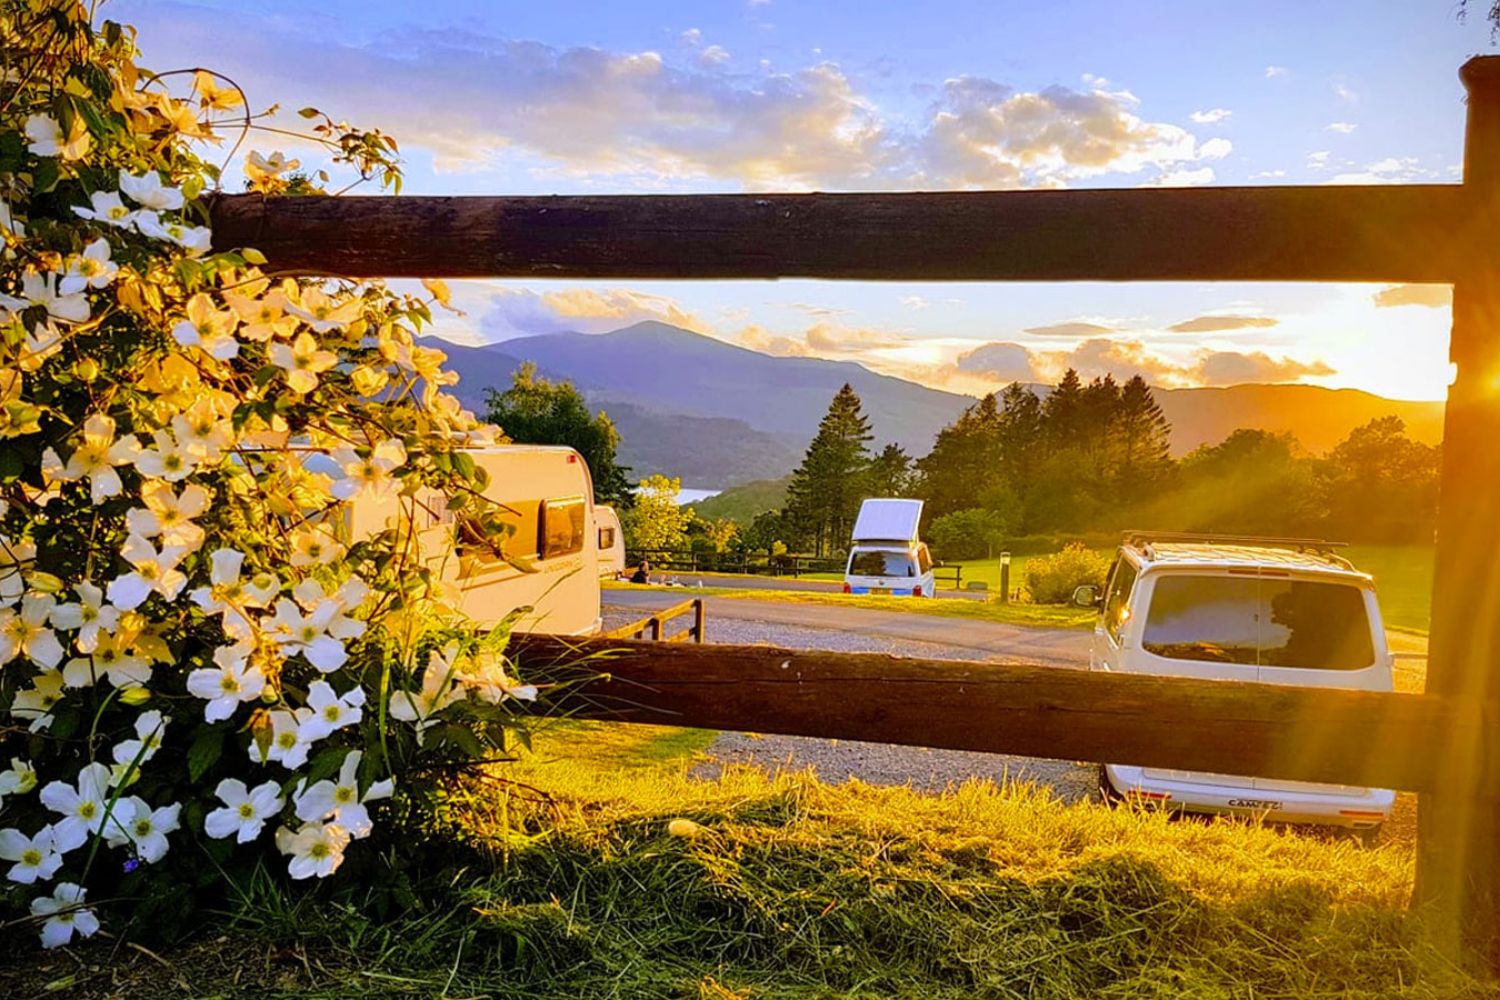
pixel 205 632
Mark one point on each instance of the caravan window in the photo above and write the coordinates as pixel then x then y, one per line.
pixel 562 527
pixel 606 539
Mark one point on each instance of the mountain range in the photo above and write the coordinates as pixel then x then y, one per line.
pixel 718 415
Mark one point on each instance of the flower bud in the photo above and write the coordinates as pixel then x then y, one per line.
pixel 135 695
pixel 86 369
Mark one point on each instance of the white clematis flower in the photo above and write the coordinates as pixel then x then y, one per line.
pixel 18 779
pixel 90 616
pixel 145 829
pixel 81 806
pixel 95 458
pixel 302 360
pixel 112 657
pixel 169 514
pixel 488 679
pixel 167 460
pixel 90 269
pixel 155 572
pixel 45 137
pixel 316 849
pixel 149 727
pixel 195 240
pixel 322 313
pixel 65 914
pixel 330 711
pixel 287 746
pixel 234 680
pixel 148 190
pixel 35 858
pixel 14 558
pixel 438 691
pixel 25 632
pixel 341 800
pixel 202 431
pixel 43 290
pixel 307 634
pixel 231 594
pixel 35 703
pixel 368 476
pixel 207 328
pixel 245 812
pixel 106 206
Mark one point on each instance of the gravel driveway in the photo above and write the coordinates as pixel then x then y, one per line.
pixel 877 763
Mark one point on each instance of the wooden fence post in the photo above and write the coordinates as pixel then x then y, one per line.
pixel 1458 872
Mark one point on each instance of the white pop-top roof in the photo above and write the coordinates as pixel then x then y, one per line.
pixel 888 519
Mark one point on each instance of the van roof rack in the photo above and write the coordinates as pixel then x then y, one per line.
pixel 1143 538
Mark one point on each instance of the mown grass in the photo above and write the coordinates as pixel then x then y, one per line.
pixel 782 886
pixel 1036 615
pixel 1403 582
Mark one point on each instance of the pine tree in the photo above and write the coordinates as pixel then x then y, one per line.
pixel 965 458
pixel 824 494
pixel 890 473
pixel 1063 411
pixel 1142 440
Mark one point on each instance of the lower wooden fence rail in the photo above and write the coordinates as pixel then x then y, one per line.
pixel 655 624
pixel 1273 731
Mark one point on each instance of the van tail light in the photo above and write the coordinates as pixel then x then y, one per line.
pixel 916 591
pixel 847 590
pixel 1145 796
pixel 1361 814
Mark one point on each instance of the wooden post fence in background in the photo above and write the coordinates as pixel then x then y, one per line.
pixel 1401 233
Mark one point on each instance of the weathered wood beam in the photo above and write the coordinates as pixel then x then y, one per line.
pixel 1389 233
pixel 1275 731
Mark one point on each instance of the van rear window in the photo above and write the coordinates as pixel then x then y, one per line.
pixel 1259 621
pixel 880 562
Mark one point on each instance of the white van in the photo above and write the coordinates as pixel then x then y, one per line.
pixel 1275 611
pixel 885 554
pixel 550 559
pixel 611 542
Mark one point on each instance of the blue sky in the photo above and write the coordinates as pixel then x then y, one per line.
pixel 627 97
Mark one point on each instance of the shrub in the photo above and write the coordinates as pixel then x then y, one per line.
pixel 196 650
pixel 1052 579
pixel 969 534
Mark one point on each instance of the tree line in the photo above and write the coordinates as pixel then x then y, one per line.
pixel 1083 457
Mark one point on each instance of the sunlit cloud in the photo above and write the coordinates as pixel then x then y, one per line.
pixel 515 312
pixel 1431 296
pixel 1212 116
pixel 1123 359
pixel 1070 328
pixel 1214 322
pixel 648 118
pixel 1343 128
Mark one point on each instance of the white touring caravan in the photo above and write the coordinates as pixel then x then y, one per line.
pixel 550 562
pixel 886 556
pixel 611 542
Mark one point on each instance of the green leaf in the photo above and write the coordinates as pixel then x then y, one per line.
pixel 45 177
pixel 207 746
pixel 253 255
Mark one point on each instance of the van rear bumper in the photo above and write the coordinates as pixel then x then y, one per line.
pixel 1355 808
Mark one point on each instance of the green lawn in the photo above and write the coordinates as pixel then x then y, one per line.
pixel 1403 581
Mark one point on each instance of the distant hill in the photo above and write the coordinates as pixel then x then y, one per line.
pixel 669 369
pixel 742 503
pixel 1320 418
pixel 706 452
pixel 718 415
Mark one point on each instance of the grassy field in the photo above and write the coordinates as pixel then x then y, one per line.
pixel 609 871
pixel 1048 615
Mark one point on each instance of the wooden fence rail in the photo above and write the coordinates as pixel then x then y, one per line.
pixel 654 625
pixel 1323 233
pixel 1266 730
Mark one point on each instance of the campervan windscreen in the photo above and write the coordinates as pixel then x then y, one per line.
pixel 881 562
pixel 1265 622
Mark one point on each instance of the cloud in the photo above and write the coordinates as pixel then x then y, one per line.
pixel 1004 362
pixel 1343 128
pixel 914 302
pixel 1123 359
pixel 1318 160
pixel 512 312
pixel 641 117
pixel 1274 71
pixel 1235 367
pixel 1342 92
pixel 1214 323
pixel 1212 116
pixel 1391 170
pixel 1432 296
pixel 1183 178
pixel 835 338
pixel 1267 174
pixel 1072 328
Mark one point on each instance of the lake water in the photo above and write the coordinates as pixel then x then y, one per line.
pixel 687 496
